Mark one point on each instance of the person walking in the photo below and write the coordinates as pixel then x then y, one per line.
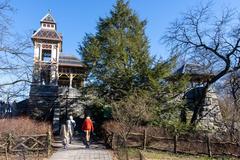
pixel 64 135
pixel 71 124
pixel 87 127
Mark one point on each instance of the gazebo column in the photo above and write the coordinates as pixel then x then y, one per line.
pixel 71 79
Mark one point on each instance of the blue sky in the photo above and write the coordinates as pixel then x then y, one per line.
pixel 75 18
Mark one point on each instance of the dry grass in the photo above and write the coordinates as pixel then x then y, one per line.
pixel 158 155
pixel 22 126
pixel 151 155
pixel 171 156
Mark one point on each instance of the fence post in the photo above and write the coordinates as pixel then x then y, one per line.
pixel 145 139
pixel 113 141
pixel 49 143
pixel 7 149
pixel 9 142
pixel 23 153
pixel 6 154
pixel 141 156
pixel 175 143
pixel 209 146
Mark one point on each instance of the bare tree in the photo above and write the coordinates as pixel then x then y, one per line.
pixel 130 112
pixel 15 69
pixel 207 39
pixel 231 103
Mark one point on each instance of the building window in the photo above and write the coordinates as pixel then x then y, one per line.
pixel 52 25
pixel 46 55
pixel 44 25
pixel 48 25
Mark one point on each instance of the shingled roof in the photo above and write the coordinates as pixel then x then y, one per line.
pixel 192 69
pixel 196 73
pixel 66 60
pixel 48 19
pixel 47 34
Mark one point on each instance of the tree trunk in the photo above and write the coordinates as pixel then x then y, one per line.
pixel 198 107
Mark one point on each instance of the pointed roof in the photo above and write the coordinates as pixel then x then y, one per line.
pixel 196 72
pixel 192 69
pixel 48 18
pixel 47 34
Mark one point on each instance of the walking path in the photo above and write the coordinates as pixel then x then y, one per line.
pixel 77 151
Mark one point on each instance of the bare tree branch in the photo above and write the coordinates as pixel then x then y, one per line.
pixel 208 40
pixel 15 70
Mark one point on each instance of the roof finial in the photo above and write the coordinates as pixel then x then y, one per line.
pixel 49 11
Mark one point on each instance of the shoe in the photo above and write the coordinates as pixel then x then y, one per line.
pixel 87 145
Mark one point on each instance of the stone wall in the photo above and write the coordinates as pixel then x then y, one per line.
pixel 42 99
pixel 210 117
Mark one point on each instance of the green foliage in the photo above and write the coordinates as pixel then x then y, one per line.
pixel 123 74
pixel 118 55
pixel 170 105
pixel 97 108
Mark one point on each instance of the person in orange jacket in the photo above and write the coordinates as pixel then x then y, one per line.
pixel 87 127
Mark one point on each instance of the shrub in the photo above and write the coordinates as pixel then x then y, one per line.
pixel 22 126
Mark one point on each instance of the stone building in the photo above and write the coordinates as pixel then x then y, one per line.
pixel 57 77
pixel 210 117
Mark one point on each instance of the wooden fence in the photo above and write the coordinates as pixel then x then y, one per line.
pixel 190 144
pixel 26 144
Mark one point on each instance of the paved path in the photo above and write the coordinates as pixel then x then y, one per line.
pixel 77 151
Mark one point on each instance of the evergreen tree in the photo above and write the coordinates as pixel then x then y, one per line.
pixel 118 54
pixel 120 66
